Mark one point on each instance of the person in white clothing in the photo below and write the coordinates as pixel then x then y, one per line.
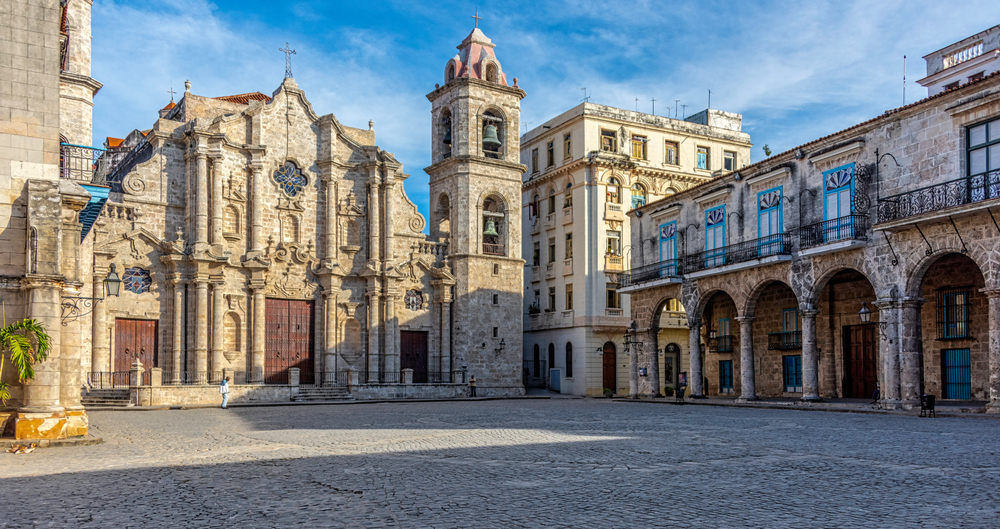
pixel 224 390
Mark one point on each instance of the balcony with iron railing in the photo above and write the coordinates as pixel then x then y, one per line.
pixel 721 344
pixel 648 276
pixel 492 249
pixel 81 163
pixel 940 200
pixel 838 234
pixel 784 341
pixel 744 254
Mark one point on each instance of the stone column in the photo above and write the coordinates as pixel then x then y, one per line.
pixel 177 321
pixel 330 331
pixel 201 331
pixel 994 349
pixel 100 357
pixel 389 221
pixel 331 218
pixel 391 353
pixel 41 394
pixel 810 356
pixel 889 352
pixel 373 332
pixel 201 203
pixel 911 353
pixel 748 375
pixel 256 209
pixel 653 356
pixel 694 345
pixel 217 201
pixel 374 249
pixel 258 333
pixel 633 371
pixel 218 326
pixel 444 295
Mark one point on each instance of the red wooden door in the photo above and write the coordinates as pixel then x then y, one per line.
pixel 860 367
pixel 135 339
pixel 288 340
pixel 610 356
pixel 413 354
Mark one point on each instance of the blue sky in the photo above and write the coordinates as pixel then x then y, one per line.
pixel 795 70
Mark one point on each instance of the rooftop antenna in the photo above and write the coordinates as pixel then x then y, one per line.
pixel 653 100
pixel 171 92
pixel 676 102
pixel 637 104
pixel 525 124
pixel 710 98
pixel 684 108
pixel 477 17
pixel 904 80
pixel 586 98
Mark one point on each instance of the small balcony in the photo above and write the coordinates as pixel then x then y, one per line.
pixel 81 164
pixel 534 274
pixel 550 271
pixel 567 267
pixel 567 215
pixel 939 200
pixel 550 221
pixel 721 344
pixel 784 341
pixel 613 211
pixel 833 235
pixel 648 276
pixel 614 313
pixel 612 262
pixel 747 254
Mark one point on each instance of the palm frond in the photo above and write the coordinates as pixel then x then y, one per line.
pixel 4 393
pixel 17 339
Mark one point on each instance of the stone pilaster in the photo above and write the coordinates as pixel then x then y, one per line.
pixel 994 349
pixel 694 346
pixel 217 239
pixel 100 353
pixel 201 331
pixel 331 218
pixel 911 353
pixel 748 380
pixel 389 221
pixel 256 210
pixel 810 356
pixel 889 352
pixel 442 294
pixel 373 333
pixel 41 394
pixel 218 315
pixel 391 351
pixel 374 248
pixel 177 320
pixel 201 203
pixel 258 333
pixel 330 326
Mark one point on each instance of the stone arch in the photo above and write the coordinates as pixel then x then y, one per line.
pixel 445 130
pixel 450 70
pixel 702 299
pixel 231 219
pixel 750 302
pixel 493 116
pixel 491 72
pixel 822 275
pixel 233 332
pixel 442 216
pixel 290 228
pixel 914 277
pixel 494 211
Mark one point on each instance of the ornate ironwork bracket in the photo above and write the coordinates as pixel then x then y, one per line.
pixel 994 219
pixel 965 251
pixel 929 249
pixel 74 308
pixel 895 258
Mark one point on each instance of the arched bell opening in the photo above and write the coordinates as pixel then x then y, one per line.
pixel 493 135
pixel 495 227
pixel 445 133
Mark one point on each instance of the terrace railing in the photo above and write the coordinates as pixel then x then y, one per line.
pixel 81 163
pixel 777 244
pixel 783 341
pixel 668 269
pixel 968 190
pixel 844 228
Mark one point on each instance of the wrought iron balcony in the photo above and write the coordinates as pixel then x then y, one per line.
pixel 81 163
pixel 492 249
pixel 945 195
pixel 784 341
pixel 721 344
pixel 778 244
pixel 840 229
pixel 669 269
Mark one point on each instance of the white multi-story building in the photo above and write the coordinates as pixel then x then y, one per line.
pixel 962 62
pixel 586 168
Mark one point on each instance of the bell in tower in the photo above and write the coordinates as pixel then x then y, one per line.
pixel 490 140
pixel 491 229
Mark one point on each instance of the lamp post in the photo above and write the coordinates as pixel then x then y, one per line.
pixel 73 307
pixel 866 317
pixel 501 347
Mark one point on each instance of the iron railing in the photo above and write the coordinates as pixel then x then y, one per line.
pixel 108 379
pixel 839 229
pixel 669 269
pixel 492 249
pixel 784 341
pixel 777 244
pixel 721 344
pixel 945 195
pixel 331 378
pixel 81 163
pixel 185 377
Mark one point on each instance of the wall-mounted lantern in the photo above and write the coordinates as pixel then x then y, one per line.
pixel 74 307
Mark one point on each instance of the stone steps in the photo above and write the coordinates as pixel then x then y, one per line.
pixel 106 397
pixel 323 393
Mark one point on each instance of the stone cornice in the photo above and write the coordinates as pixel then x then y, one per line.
pixel 845 150
pixel 82 80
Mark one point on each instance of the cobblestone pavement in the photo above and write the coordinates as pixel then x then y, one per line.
pixel 558 463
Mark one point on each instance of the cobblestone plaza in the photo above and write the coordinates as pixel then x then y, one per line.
pixel 510 463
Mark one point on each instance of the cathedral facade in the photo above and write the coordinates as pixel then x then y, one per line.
pixel 258 238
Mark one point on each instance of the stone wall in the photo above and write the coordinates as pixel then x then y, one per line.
pixel 413 391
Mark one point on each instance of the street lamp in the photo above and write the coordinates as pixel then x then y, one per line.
pixel 866 317
pixel 503 345
pixel 73 307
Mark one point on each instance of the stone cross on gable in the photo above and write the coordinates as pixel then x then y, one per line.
pixel 288 60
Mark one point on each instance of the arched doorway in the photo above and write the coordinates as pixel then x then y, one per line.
pixel 609 356
pixel 669 325
pixel 848 348
pixel 776 332
pixel 953 331
pixel 721 358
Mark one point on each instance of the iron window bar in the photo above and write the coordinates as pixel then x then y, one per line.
pixel 784 341
pixel 777 244
pixel 849 227
pixel 958 192
pixel 954 322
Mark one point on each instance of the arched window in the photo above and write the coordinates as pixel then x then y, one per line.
pixel 494 226
pixel 491 73
pixel 638 195
pixel 568 200
pixel 533 207
pixel 443 215
pixel 569 360
pixel 451 73
pixel 552 355
pixel 493 135
pixel 445 133
pixel 552 201
pixel 614 191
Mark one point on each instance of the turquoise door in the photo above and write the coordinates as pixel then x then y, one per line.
pixel 725 376
pixel 793 374
pixel 957 374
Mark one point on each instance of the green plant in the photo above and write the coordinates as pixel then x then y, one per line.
pixel 767 150
pixel 533 309
pixel 27 344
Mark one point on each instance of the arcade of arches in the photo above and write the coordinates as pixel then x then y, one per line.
pixel 929 334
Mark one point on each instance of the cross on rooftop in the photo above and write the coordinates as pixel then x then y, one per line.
pixel 477 17
pixel 171 92
pixel 288 59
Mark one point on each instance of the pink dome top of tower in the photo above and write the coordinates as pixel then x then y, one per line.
pixel 476 59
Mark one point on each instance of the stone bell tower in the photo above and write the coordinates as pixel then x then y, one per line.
pixel 475 202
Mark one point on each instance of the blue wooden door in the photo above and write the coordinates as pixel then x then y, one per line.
pixel 725 376
pixel 793 373
pixel 957 374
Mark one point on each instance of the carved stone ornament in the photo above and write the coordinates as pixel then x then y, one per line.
pixel 290 282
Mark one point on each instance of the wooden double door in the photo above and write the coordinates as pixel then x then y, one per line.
pixel 288 340
pixel 860 361
pixel 609 371
pixel 134 340
pixel 413 354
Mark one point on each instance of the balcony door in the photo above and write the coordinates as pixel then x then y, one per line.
pixel 837 203
pixel 768 221
pixel 668 249
pixel 715 237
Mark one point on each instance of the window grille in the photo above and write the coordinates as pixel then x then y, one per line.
pixel 953 320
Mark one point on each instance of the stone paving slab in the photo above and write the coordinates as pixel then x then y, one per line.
pixel 511 463
pixel 977 410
